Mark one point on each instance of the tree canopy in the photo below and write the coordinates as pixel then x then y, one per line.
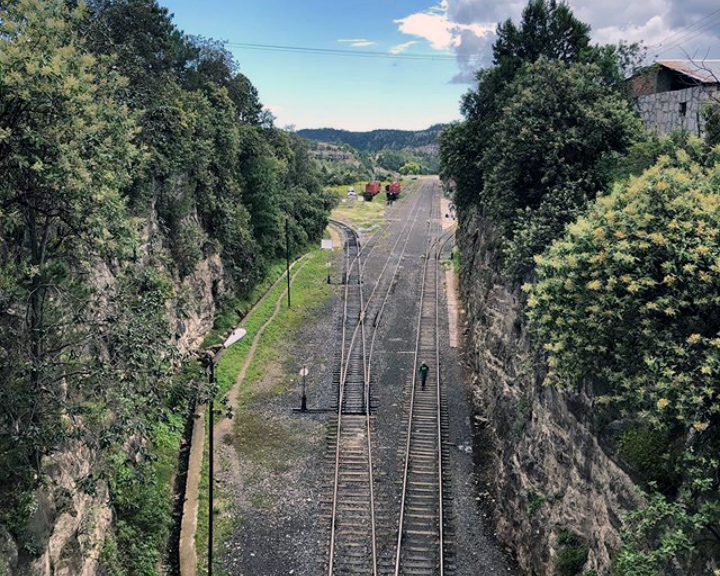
pixel 129 153
pixel 538 127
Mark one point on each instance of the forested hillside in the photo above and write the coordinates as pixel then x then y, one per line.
pixel 377 140
pixel 142 187
pixel 604 366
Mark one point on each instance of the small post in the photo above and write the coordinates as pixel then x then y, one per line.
pixel 287 256
pixel 303 401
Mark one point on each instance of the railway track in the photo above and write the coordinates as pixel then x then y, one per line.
pixel 353 540
pixel 353 517
pixel 352 530
pixel 422 543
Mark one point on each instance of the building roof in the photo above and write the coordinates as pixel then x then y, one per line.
pixel 703 71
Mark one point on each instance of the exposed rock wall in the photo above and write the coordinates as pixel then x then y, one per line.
pixel 70 522
pixel 549 472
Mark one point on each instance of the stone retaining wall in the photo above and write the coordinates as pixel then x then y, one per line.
pixel 664 112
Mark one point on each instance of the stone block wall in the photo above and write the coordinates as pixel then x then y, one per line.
pixel 661 112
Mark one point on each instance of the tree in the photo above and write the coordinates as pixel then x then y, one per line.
pixel 547 29
pixel 559 127
pixel 65 150
pixel 627 305
pixel 410 168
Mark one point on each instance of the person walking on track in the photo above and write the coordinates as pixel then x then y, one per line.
pixel 423 370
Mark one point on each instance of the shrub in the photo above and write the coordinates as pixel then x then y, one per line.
pixel 573 554
pixel 649 453
pixel 187 246
pixel 631 296
pixel 629 300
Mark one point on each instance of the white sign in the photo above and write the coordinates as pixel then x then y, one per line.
pixel 326 244
pixel 304 372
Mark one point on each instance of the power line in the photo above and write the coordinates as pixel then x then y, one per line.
pixel 679 43
pixel 681 30
pixel 684 32
pixel 339 52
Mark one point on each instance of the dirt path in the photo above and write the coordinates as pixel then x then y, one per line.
pixel 224 428
pixel 188 528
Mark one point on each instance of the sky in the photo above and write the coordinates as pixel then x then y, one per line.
pixel 405 64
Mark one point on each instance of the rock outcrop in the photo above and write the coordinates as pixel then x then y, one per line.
pixel 70 520
pixel 558 495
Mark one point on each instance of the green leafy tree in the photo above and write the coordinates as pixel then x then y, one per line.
pixel 627 303
pixel 560 124
pixel 547 29
pixel 391 160
pixel 65 150
pixel 410 168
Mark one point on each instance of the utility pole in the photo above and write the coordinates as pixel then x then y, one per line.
pixel 211 463
pixel 237 335
pixel 287 256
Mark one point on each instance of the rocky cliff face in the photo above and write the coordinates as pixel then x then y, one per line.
pixel 69 522
pixel 559 497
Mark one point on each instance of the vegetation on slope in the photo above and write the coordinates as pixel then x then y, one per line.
pixel 343 165
pixel 130 153
pixel 628 301
pixel 622 289
pixel 376 140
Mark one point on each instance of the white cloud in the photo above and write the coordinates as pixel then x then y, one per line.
pixel 358 42
pixel 651 32
pixel 470 40
pixel 434 26
pixel 402 47
pixel 669 28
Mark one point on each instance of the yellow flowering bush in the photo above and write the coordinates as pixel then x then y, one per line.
pixel 641 325
pixel 652 300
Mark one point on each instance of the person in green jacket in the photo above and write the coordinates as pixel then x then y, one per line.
pixel 423 370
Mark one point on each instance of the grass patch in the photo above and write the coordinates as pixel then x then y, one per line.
pixel 364 216
pixel 234 309
pixel 234 358
pixel 267 444
pixel 223 522
pixel 264 442
pixel 455 259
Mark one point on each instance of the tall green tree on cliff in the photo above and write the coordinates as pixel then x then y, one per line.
pixel 539 130
pixel 547 29
pixel 65 149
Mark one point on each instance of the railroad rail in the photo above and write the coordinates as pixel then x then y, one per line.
pixel 352 532
pixel 353 540
pixel 421 539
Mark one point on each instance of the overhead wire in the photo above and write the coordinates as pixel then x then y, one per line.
pixel 681 30
pixel 698 33
pixel 340 52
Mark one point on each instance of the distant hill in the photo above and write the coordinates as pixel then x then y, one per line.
pixel 377 140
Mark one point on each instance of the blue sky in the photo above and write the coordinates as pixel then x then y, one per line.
pixel 313 91
pixel 364 93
